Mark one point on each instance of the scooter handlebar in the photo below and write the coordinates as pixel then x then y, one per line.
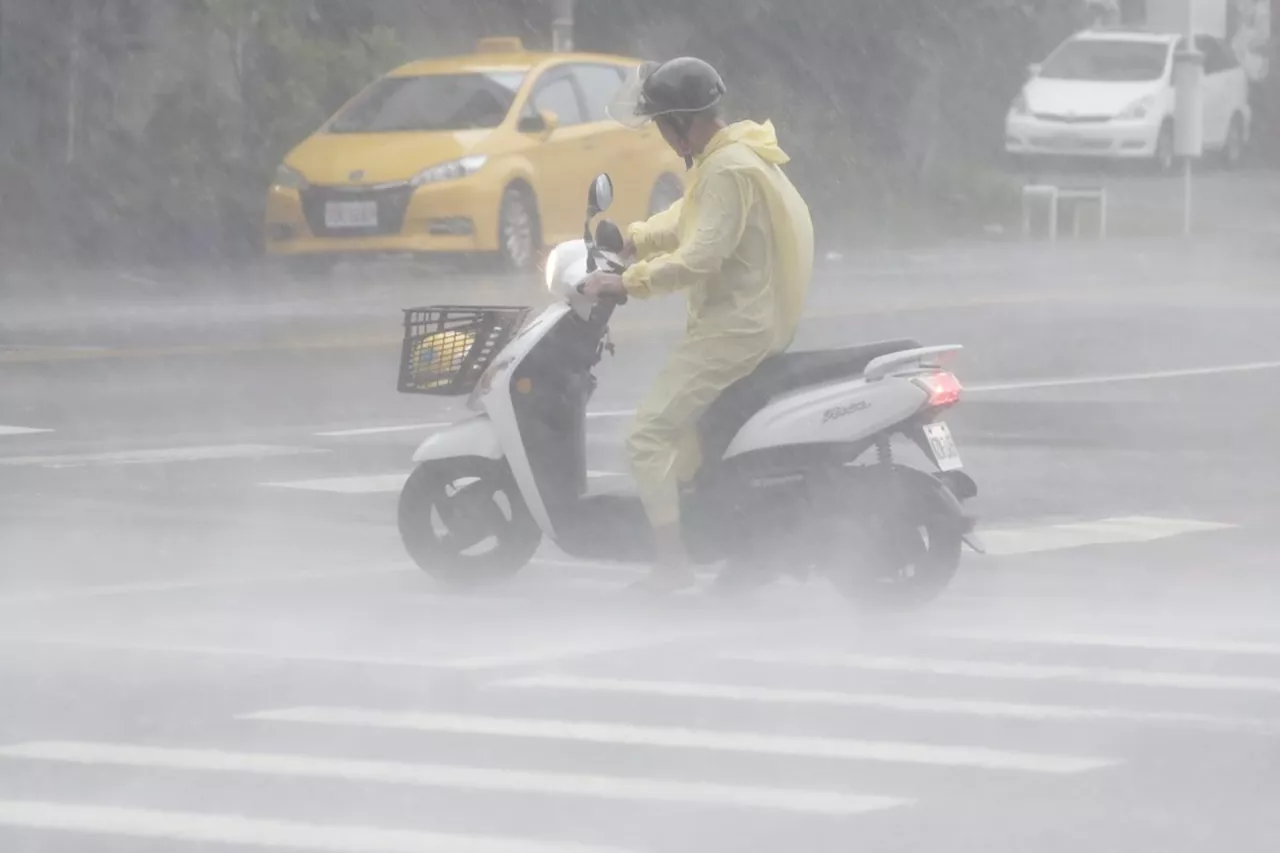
pixel 617 300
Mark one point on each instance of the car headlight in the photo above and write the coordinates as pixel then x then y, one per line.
pixel 451 171
pixel 289 178
pixel 1019 107
pixel 1139 108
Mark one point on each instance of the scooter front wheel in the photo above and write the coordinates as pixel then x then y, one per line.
pixel 464 522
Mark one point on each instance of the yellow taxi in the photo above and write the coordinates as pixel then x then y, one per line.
pixel 490 152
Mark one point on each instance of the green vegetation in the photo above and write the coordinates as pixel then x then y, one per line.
pixel 131 129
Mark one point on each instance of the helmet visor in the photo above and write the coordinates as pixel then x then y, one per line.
pixel 628 107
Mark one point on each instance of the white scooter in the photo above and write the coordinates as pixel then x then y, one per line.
pixel 781 490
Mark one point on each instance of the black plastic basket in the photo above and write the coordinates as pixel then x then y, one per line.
pixel 447 348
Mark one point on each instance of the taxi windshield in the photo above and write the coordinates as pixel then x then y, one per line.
pixel 433 102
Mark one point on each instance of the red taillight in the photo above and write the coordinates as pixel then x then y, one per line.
pixel 943 389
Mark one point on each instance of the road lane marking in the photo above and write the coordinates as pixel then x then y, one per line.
pixel 1108 531
pixel 568 649
pixel 1111 379
pixel 578 649
pixel 18 430
pixel 374 483
pixel 1116 641
pixel 1006 542
pixel 979 388
pixel 885 701
pixel 343 433
pixel 252 832
pixel 455 777
pixel 1015 671
pixel 63 354
pixel 224 652
pixel 1001 543
pixel 71 593
pixel 379 430
pixel 141 587
pixel 694 739
pixel 160 456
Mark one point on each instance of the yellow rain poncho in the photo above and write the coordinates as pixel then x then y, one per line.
pixel 740 246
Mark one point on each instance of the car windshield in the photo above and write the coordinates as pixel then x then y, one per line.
pixel 1110 61
pixel 431 102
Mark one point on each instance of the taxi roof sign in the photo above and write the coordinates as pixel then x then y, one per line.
pixel 500 44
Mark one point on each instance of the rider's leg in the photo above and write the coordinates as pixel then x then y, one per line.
pixel 659 454
pixel 663 444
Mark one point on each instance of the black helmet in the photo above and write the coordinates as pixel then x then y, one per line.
pixel 679 87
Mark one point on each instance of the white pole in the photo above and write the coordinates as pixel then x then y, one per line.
pixel 73 78
pixel 562 26
pixel 1189 115
pixel 1186 168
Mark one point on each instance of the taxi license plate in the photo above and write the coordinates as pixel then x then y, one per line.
pixel 943 448
pixel 351 214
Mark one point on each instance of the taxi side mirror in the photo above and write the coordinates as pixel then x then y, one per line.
pixel 543 122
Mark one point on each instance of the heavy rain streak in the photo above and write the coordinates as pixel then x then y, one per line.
pixel 639 426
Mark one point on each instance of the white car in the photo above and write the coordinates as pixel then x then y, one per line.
pixel 1109 94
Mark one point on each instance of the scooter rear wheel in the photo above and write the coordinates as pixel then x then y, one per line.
pixel 902 557
pixel 450 507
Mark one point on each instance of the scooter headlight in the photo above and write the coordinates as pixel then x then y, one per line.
pixel 485 385
pixel 553 268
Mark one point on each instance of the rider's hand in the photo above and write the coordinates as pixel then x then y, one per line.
pixel 600 283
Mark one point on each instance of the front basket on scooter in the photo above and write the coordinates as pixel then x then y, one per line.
pixel 447 348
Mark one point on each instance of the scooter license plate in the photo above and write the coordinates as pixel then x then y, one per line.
pixel 944 450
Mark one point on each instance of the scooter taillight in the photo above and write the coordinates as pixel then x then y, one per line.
pixel 943 389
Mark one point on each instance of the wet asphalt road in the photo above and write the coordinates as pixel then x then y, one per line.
pixel 211 635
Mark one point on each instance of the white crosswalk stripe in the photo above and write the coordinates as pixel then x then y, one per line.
pixel 1028 672
pixel 694 739
pixel 1108 531
pixel 468 778
pixel 565 747
pixel 1182 644
pixel 273 834
pixel 892 702
pixel 20 430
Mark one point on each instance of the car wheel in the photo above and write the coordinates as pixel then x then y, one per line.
pixel 667 190
pixel 1233 148
pixel 1165 157
pixel 518 231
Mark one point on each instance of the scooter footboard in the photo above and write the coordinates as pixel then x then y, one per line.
pixel 473 437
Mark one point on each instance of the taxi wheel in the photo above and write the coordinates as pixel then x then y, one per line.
pixel 519 236
pixel 667 190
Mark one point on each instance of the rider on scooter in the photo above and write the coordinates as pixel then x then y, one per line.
pixel 740 244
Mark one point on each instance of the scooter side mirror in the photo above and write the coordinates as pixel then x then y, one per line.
pixel 600 196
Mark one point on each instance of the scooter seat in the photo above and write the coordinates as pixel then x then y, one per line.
pixel 776 375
